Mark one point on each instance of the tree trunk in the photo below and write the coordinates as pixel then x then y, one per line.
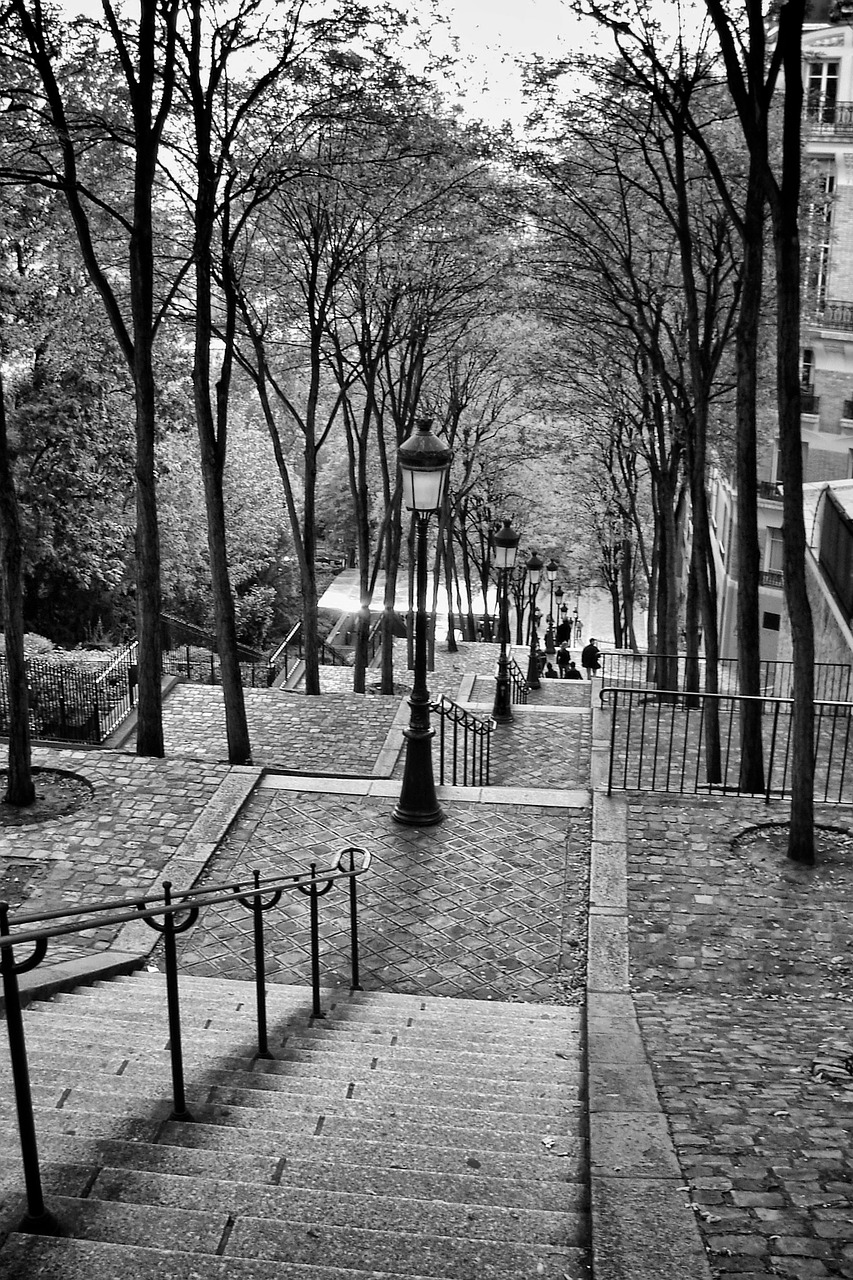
pixel 748 559
pixel 666 667
pixel 20 790
pixel 787 245
pixel 149 725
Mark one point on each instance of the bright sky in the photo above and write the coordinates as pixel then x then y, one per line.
pixel 495 33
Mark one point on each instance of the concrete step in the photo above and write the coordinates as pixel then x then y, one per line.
pixel 71 1161
pixel 555 1161
pixel 58 1259
pixel 443 1036
pixel 203 1233
pixel 407 1138
pixel 371 1210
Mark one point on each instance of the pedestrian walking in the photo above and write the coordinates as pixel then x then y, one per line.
pixel 563 659
pixel 590 655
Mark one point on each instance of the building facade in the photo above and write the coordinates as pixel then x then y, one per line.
pixel 826 370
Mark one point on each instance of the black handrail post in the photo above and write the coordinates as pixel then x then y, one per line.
pixel 353 925
pixel 170 954
pixel 260 983
pixel 313 895
pixel 37 1220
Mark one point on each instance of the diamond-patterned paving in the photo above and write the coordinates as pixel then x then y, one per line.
pixel 489 905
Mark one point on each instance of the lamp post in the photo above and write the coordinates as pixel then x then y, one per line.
pixel 558 596
pixel 534 572
pixel 551 572
pixel 424 462
pixel 506 546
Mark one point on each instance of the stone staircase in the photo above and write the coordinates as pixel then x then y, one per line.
pixel 398 1136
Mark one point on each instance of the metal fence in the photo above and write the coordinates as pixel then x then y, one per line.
pixel 658 743
pixel 71 703
pixel 202 666
pixel 518 684
pixel 464 742
pixel 637 671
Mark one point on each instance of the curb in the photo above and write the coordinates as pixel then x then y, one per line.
pixel 642 1228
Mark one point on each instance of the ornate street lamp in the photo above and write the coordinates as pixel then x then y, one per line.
pixel 424 463
pixel 551 573
pixel 534 572
pixel 506 546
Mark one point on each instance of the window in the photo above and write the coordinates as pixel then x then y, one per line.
pixel 819 194
pixel 807 369
pixel 822 91
pixel 774 550
pixel 771 621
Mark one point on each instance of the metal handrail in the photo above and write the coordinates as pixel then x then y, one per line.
pixel 660 739
pixel 258 896
pixel 634 670
pixel 201 638
pixel 518 684
pixel 476 745
pixel 274 663
pixel 334 657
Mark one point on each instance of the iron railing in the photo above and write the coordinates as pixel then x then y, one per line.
pixel 636 671
pixel 831 315
pixel 71 703
pixel 257 896
pixel 519 688
pixel 658 743
pixel 203 666
pixel 279 661
pixel 176 634
pixel 465 745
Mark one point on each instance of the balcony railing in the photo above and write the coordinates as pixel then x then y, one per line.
pixel 809 403
pixel 822 115
pixel 770 490
pixel 771 578
pixel 830 315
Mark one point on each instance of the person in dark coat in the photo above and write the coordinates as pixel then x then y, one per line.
pixel 590 655
pixel 563 659
pixel 572 673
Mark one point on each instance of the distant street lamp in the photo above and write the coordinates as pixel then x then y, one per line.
pixel 551 573
pixel 424 462
pixel 534 572
pixel 506 546
pixel 558 596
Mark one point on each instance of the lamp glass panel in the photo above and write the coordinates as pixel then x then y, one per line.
pixel 423 488
pixel 505 556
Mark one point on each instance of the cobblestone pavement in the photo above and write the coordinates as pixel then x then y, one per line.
pixel 742 968
pixel 140 813
pixel 489 905
pixel 338 733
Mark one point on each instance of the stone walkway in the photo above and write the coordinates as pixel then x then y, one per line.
pixel 742 968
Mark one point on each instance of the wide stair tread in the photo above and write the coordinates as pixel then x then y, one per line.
pixel 430 1139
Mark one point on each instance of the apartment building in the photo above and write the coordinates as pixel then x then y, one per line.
pixel 826 327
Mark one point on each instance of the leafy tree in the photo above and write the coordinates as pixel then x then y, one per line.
pixel 69 110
